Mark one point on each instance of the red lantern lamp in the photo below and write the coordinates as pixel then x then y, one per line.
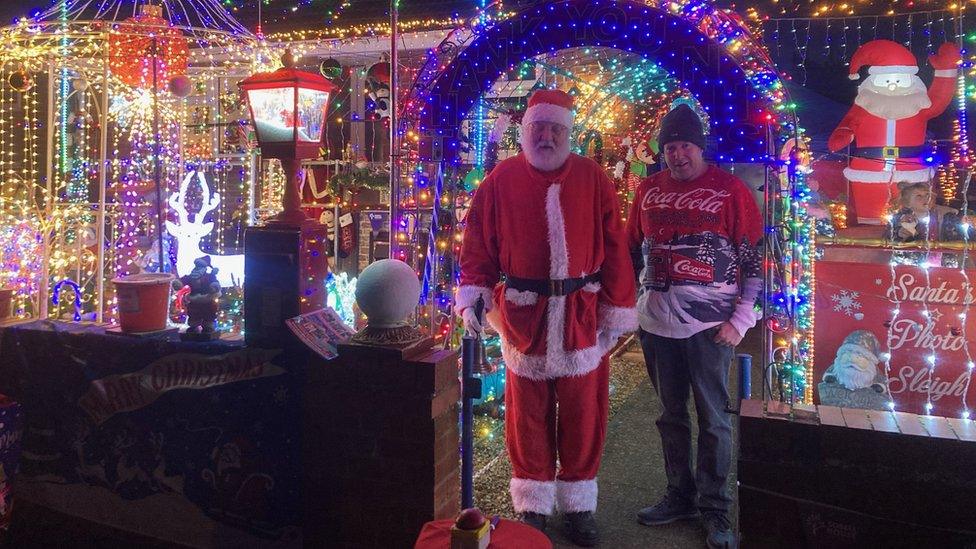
pixel 288 109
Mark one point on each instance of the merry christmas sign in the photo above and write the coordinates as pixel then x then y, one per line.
pixel 865 311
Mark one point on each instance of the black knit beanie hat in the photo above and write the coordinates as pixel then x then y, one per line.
pixel 681 124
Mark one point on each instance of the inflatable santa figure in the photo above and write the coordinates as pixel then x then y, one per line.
pixel 887 122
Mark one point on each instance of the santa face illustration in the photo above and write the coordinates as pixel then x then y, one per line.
pixel 854 368
pixel 855 365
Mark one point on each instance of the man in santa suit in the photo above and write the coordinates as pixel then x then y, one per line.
pixel 549 222
pixel 888 119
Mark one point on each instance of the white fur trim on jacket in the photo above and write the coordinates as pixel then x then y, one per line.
pixel 467 296
pixel 868 176
pixel 576 496
pixel 892 69
pixel 556 362
pixel 532 496
pixel 617 320
pixel 521 298
pixel 946 73
pixel 548 112
pixel 556 223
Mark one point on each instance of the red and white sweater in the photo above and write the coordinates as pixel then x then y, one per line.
pixel 701 244
pixel 549 225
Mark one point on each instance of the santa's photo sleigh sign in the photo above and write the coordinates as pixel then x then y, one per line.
pixel 894 336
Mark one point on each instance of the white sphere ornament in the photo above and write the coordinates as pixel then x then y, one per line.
pixel 387 292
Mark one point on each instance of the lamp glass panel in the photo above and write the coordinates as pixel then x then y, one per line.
pixel 273 110
pixel 311 114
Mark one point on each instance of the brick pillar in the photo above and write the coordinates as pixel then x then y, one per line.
pixel 380 446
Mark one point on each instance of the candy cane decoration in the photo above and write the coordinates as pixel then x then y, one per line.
pixel 57 295
pixel 180 294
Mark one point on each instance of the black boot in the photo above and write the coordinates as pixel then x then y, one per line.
pixel 535 520
pixel 581 528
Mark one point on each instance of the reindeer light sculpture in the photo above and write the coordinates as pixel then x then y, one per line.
pixel 189 233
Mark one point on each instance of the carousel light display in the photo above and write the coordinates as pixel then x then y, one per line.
pixel 88 194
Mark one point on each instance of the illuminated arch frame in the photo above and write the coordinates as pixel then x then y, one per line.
pixel 738 98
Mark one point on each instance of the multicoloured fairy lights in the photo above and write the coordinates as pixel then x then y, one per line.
pixel 82 182
pixel 620 96
pixel 740 92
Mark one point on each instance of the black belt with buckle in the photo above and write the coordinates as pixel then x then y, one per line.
pixel 562 286
pixel 888 153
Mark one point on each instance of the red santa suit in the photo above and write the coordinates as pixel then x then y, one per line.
pixel 551 226
pixel 889 150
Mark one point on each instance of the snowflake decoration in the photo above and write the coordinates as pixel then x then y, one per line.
pixel 846 302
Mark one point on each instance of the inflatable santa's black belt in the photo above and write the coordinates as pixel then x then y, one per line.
pixel 888 152
pixel 562 286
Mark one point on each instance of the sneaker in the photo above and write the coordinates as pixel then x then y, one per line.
pixel 719 528
pixel 666 511
pixel 535 520
pixel 581 528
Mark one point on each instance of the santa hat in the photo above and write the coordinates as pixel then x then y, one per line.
pixel 549 106
pixel 865 339
pixel 883 57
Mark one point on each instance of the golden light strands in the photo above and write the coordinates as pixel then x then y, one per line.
pixel 49 215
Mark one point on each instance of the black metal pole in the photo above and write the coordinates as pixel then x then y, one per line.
pixel 468 344
pixel 394 136
pixel 470 390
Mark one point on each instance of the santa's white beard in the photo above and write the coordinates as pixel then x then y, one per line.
pixel 544 158
pixel 893 105
pixel 854 370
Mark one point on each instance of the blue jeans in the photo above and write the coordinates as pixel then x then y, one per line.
pixel 697 362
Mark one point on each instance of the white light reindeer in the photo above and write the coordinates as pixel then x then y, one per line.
pixel 188 234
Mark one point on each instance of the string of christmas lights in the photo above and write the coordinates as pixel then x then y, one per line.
pixel 95 174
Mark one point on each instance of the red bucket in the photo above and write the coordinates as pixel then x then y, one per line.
pixel 143 301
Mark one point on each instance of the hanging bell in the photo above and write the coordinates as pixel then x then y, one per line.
pixel 481 365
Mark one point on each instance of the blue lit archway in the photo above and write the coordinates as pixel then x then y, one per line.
pixel 693 49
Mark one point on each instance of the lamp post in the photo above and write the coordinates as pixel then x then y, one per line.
pixel 285 261
pixel 288 109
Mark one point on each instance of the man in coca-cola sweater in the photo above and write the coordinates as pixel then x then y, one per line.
pixel 699 230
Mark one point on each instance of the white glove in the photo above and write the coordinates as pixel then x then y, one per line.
pixel 605 340
pixel 472 326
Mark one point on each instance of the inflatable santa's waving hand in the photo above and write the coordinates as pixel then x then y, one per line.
pixel 887 122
